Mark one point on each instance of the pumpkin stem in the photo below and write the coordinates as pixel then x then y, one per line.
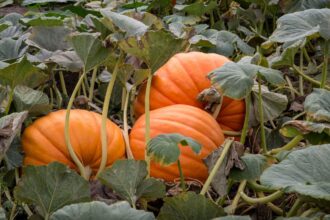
pixel 262 200
pixel 105 109
pixel 183 185
pixel 147 117
pixel 289 145
pixel 261 117
pixel 91 88
pixel 126 138
pixel 246 118
pixel 217 165
pixel 325 65
pixel 231 209
pixel 67 131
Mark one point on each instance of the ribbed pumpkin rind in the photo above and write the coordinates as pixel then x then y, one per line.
pixel 188 121
pixel 181 79
pixel 43 141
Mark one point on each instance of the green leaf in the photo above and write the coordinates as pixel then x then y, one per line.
pixel 22 72
pixel 101 211
pixel 14 156
pixel 127 178
pixel 273 104
pixel 189 206
pixel 90 50
pixel 15 29
pixel 154 47
pixel 289 6
pixel 10 126
pixel 227 43
pixel 254 166
pixel 4 25
pixel 12 49
pixel 40 20
pixel 67 59
pixel 198 8
pixel 51 187
pixel 236 80
pixel 303 171
pixel 316 133
pixel 165 150
pixel 304 24
pixel 317 105
pixel 130 26
pixel 33 101
pixel 49 38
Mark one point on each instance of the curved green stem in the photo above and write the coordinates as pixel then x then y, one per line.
pixel 297 204
pixel 91 88
pixel 308 212
pixel 259 188
pixel 263 200
pixel 301 80
pixel 292 89
pixel 147 118
pixel 309 79
pixel 231 209
pixel 217 165
pixel 273 207
pixel 126 137
pixel 325 65
pixel 10 100
pixel 231 133
pixel 246 118
pixel 288 146
pixel 67 130
pixel 62 81
pixel 106 103
pixel 183 185
pixel 261 118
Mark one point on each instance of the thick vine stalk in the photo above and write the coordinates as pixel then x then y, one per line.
pixel 246 118
pixel 263 200
pixel 325 65
pixel 261 118
pixel 73 155
pixel 106 103
pixel 127 144
pixel 147 118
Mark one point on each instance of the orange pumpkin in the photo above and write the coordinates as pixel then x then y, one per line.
pixel 181 79
pixel 185 120
pixel 43 142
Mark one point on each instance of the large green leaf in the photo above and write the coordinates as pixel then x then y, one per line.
pixel 198 8
pixel 29 2
pixel 301 5
pixel 154 47
pixel 90 49
pixel 33 101
pixel 314 132
pixel 12 49
pixel 130 26
pixel 101 211
pixel 254 166
pixel 305 172
pixel 41 20
pixel 51 187
pixel 236 80
pixel 165 150
pixel 226 43
pixel 15 29
pixel 22 72
pixel 299 25
pixel 317 105
pixel 127 178
pixel 67 59
pixel 49 38
pixel 189 206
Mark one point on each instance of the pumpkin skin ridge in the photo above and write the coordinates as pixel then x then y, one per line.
pixel 90 121
pixel 184 71
pixel 188 158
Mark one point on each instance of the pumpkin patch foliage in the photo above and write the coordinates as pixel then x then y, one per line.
pixel 164 109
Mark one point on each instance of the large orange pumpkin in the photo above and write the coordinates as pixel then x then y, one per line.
pixel 43 142
pixel 181 79
pixel 188 121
